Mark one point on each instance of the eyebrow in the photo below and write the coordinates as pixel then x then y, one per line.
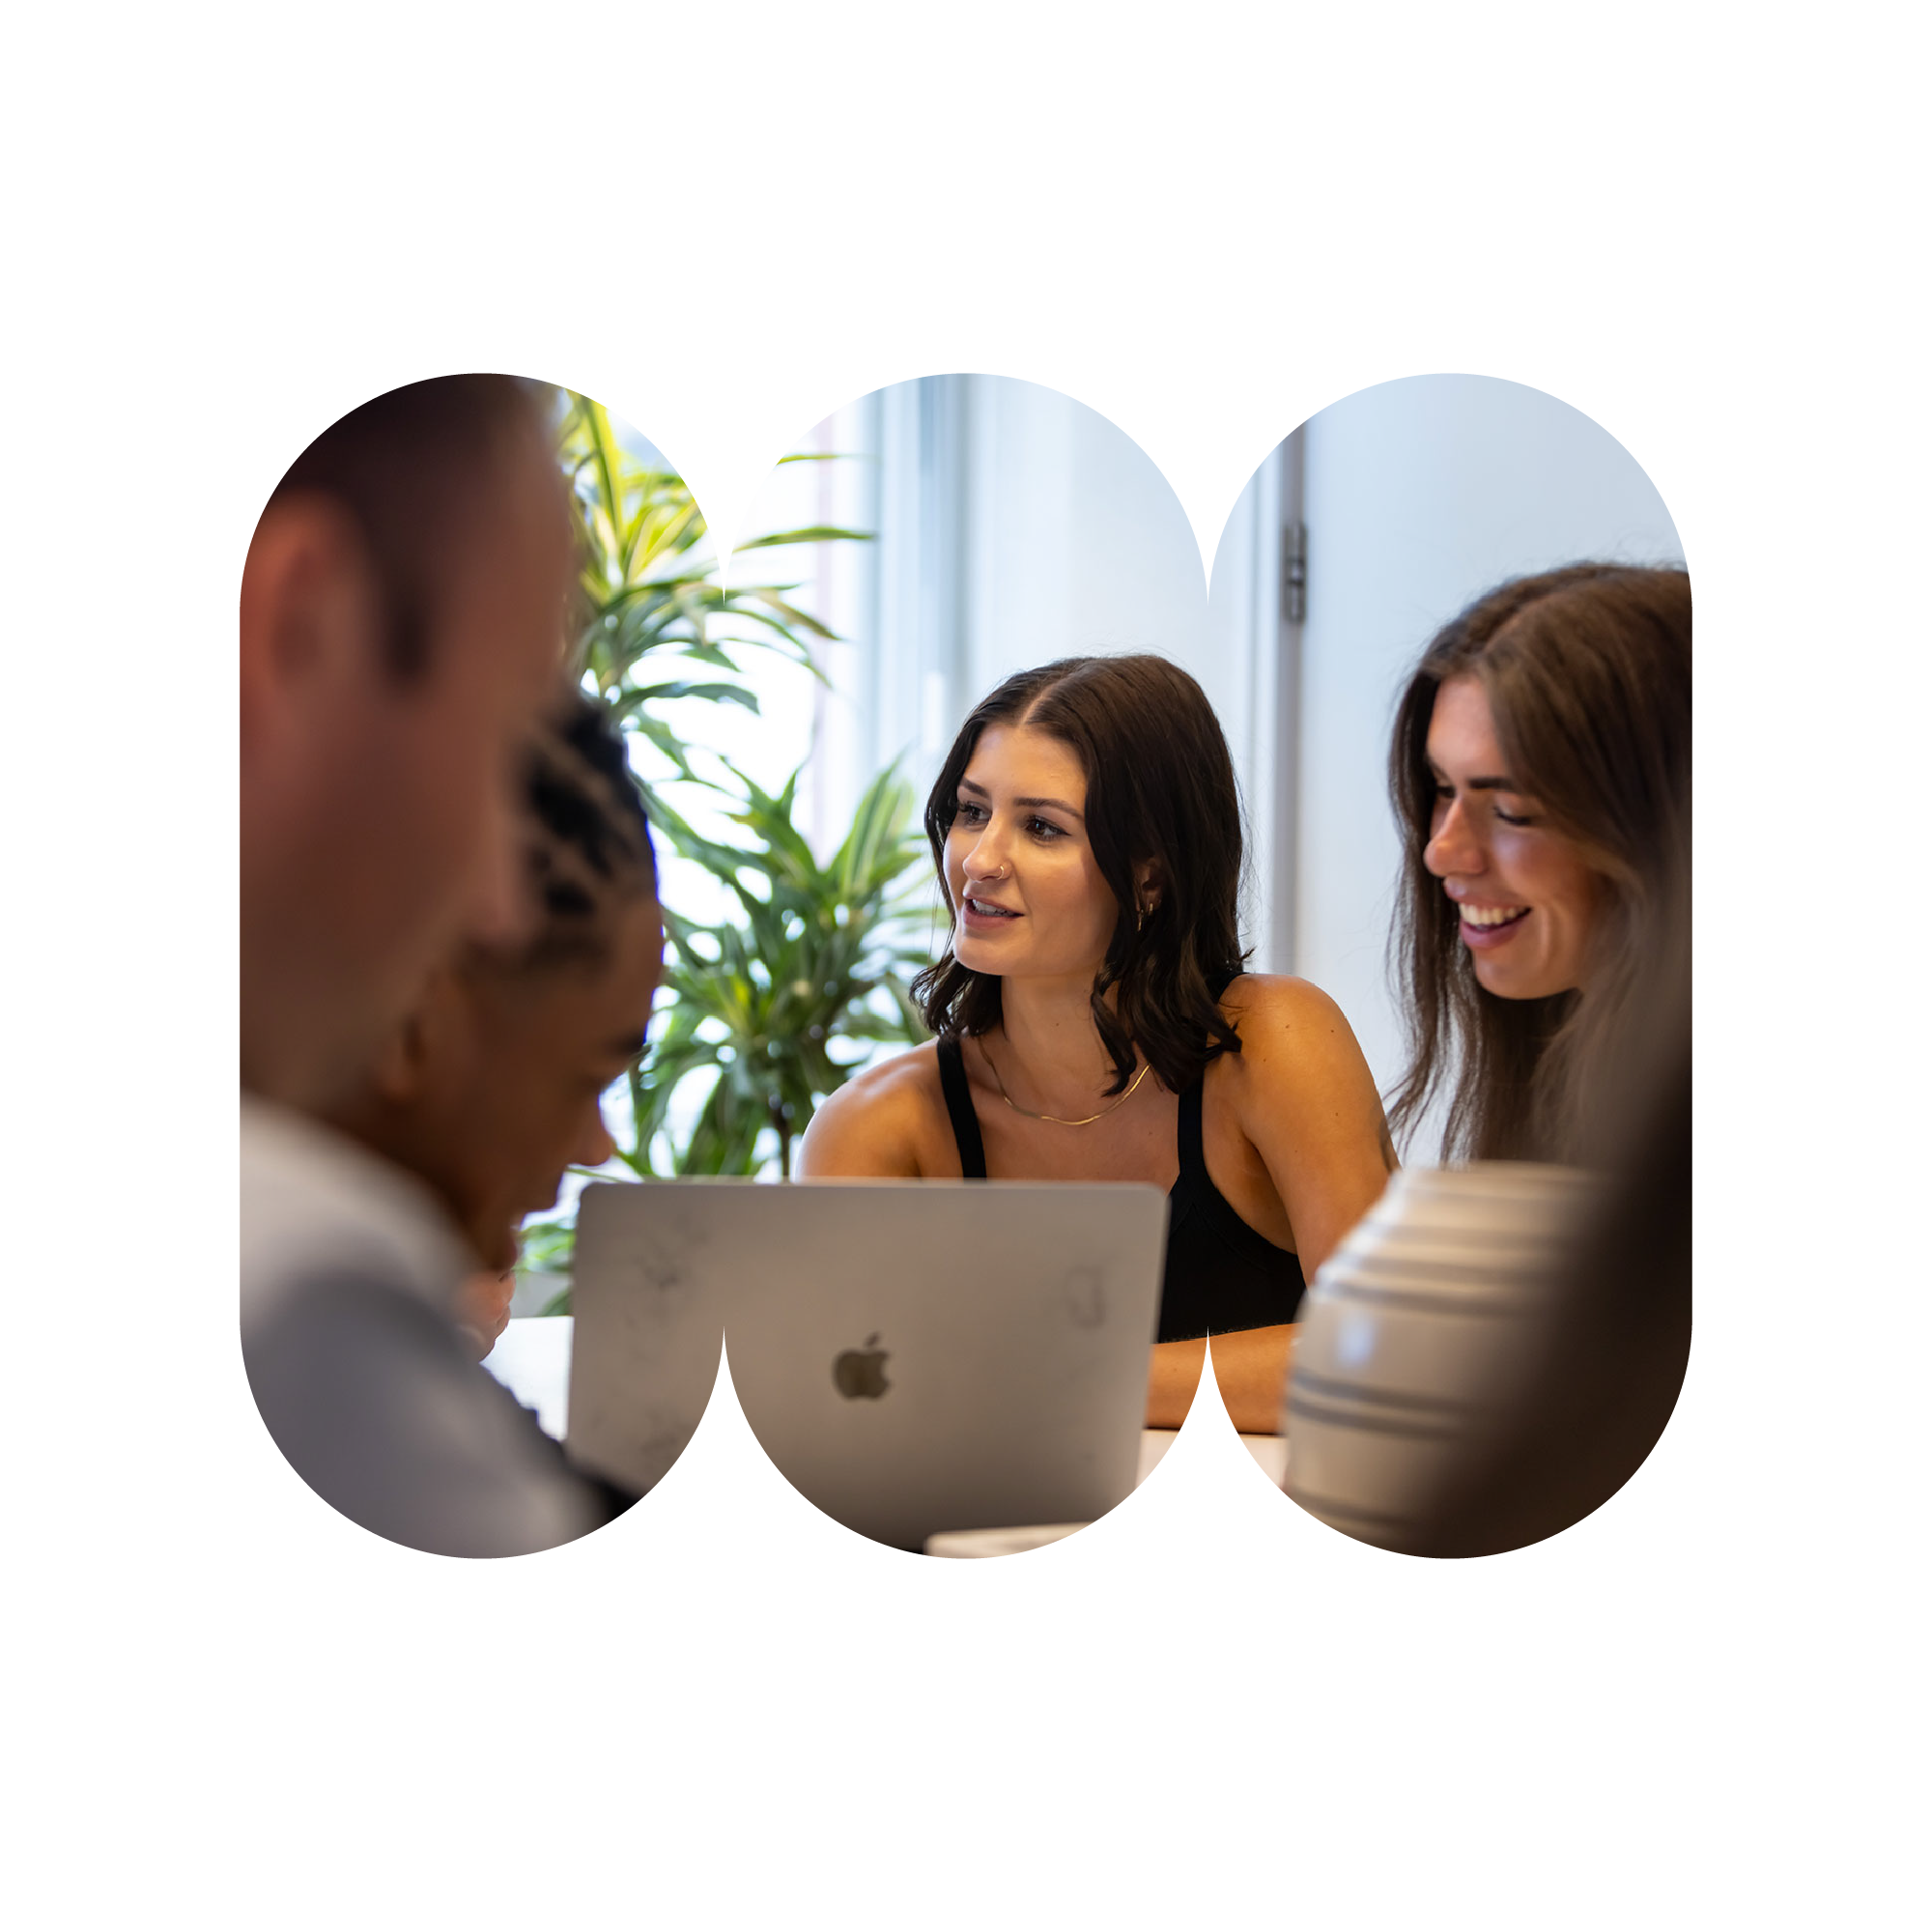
pixel 1476 784
pixel 1057 804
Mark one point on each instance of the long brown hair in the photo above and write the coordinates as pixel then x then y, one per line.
pixel 1587 672
pixel 1160 792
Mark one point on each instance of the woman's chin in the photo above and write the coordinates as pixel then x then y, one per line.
pixel 1519 982
pixel 977 956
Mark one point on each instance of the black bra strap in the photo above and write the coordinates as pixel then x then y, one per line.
pixel 952 1083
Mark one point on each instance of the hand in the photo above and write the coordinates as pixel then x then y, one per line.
pixel 482 1308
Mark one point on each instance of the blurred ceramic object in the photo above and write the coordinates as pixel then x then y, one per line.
pixel 1417 1339
pixel 999 1542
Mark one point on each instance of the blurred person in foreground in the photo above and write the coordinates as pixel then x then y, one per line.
pixel 488 1090
pixel 1541 769
pixel 401 629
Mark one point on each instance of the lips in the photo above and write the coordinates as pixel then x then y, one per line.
pixel 1486 926
pixel 986 909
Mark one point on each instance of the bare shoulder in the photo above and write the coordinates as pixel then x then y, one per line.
pixel 1276 1014
pixel 889 1120
pixel 1300 1071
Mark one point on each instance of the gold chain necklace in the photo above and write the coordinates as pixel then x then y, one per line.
pixel 1054 1119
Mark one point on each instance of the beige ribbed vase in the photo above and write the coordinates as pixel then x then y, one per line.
pixel 1416 1338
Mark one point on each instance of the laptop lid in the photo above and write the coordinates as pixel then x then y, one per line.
pixel 914 1357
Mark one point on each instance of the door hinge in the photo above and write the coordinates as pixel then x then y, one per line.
pixel 1294 572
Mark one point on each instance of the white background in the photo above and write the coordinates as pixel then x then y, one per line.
pixel 1701 228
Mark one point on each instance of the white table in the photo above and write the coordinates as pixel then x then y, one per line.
pixel 531 1359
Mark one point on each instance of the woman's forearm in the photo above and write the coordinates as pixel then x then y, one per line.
pixel 1250 1368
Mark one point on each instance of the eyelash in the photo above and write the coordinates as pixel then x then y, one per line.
pixel 1446 792
pixel 1042 829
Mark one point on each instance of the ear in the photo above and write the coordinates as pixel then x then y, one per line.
pixel 310 618
pixel 404 1067
pixel 397 1075
pixel 1146 885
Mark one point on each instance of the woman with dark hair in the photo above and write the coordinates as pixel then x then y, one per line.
pixel 1541 771
pixel 1095 1022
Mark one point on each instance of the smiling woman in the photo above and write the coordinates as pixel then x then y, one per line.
pixel 1541 771
pixel 1094 1021
pixel 1524 898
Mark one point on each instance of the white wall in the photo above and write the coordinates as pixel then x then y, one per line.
pixel 1078 544
pixel 1420 495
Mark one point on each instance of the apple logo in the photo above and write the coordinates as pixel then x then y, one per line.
pixel 862 1370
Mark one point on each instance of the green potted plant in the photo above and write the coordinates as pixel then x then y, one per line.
pixel 653 624
pixel 819 957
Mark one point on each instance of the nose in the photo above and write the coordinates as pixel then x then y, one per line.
pixel 597 1146
pixel 986 857
pixel 1452 846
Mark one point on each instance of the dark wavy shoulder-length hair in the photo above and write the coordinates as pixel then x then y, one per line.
pixel 1161 799
pixel 1587 672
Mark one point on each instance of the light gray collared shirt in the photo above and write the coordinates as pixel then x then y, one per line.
pixel 348 1270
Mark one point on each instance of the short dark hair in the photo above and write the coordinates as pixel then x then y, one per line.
pixel 1587 673
pixel 586 838
pixel 1160 792
pixel 405 467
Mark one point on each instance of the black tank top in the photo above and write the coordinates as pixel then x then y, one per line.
pixel 1220 1275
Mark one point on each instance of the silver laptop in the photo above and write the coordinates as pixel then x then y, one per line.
pixel 915 1356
